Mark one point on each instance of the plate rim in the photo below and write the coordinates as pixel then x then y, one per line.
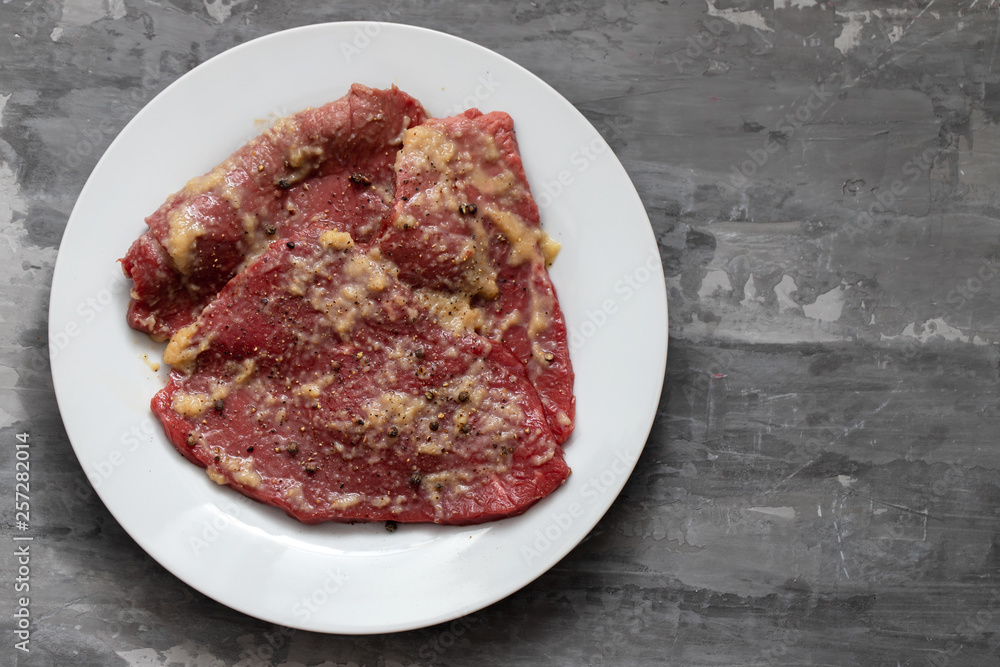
pixel 553 556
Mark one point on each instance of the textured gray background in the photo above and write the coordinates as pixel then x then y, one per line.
pixel 821 483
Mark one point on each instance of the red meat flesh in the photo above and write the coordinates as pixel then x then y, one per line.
pixel 328 166
pixel 465 222
pixel 319 383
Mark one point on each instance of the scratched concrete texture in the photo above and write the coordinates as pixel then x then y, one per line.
pixel 822 481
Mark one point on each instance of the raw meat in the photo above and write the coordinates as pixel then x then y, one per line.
pixel 319 167
pixel 465 222
pixel 317 382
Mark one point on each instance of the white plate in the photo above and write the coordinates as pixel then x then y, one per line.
pixel 353 578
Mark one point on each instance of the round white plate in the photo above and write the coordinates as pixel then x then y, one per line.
pixel 353 578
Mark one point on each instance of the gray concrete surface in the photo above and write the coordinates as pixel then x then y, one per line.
pixel 822 482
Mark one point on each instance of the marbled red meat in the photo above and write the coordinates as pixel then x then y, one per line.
pixel 399 355
pixel 324 166
pixel 319 383
pixel 465 222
